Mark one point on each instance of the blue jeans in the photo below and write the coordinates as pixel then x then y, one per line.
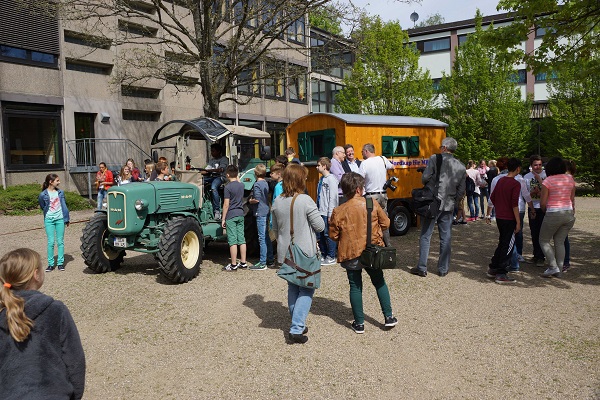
pixel 55 230
pixel 101 196
pixel 266 246
pixel 519 236
pixel 327 245
pixel 444 222
pixel 483 195
pixel 299 302
pixel 473 203
pixel 214 186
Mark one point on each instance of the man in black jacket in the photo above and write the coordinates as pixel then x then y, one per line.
pixel 350 163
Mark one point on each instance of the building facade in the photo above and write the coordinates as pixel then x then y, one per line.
pixel 437 45
pixel 57 86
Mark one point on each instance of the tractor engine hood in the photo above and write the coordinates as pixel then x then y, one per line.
pixel 129 205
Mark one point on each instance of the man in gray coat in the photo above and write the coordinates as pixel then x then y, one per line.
pixel 451 188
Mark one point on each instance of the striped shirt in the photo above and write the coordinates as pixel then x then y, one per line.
pixel 559 192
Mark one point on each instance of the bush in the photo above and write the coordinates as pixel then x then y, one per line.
pixel 23 200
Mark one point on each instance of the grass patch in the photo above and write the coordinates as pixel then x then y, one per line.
pixel 23 200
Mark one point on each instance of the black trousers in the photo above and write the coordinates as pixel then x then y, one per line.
pixel 506 241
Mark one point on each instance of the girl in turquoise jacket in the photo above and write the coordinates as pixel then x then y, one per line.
pixel 56 217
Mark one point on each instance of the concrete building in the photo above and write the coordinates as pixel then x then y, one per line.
pixel 437 45
pixel 57 86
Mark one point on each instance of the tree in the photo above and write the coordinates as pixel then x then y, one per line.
pixel 434 19
pixel 220 45
pixel 575 112
pixel 386 78
pixel 572 31
pixel 327 18
pixel 481 103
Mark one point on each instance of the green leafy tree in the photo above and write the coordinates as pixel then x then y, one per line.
pixel 572 31
pixel 482 104
pixel 327 18
pixel 386 78
pixel 576 114
pixel 434 19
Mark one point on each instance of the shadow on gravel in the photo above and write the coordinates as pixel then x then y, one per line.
pixel 473 246
pixel 274 315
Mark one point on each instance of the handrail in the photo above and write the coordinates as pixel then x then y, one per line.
pixel 84 155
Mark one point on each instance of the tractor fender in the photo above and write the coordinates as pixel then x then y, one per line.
pixel 186 214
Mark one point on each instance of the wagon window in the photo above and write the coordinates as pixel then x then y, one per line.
pixel 403 146
pixel 315 144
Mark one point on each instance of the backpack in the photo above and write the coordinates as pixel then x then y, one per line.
pixel 470 185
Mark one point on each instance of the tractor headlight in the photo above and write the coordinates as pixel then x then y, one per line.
pixel 141 205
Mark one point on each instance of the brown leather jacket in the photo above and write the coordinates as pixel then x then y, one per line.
pixel 348 227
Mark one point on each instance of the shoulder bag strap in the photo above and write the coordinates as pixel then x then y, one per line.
pixel 438 172
pixel 369 210
pixel 292 218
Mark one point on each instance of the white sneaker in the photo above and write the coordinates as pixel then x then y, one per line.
pixel 329 261
pixel 550 272
pixel 218 215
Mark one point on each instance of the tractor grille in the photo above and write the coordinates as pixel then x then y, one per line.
pixel 116 207
pixel 167 199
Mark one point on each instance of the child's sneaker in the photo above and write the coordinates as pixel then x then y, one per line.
pixel 258 267
pixel 242 265
pixel 61 267
pixel 230 268
pixel 50 268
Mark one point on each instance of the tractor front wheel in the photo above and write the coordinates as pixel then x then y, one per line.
pixel 180 250
pixel 98 256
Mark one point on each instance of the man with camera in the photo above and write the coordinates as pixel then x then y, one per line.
pixel 451 188
pixel 374 169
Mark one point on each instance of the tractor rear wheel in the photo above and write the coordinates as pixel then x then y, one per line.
pixel 97 256
pixel 180 249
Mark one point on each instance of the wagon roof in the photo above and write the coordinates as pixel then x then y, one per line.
pixel 360 119
pixel 203 128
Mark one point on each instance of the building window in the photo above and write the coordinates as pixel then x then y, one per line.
pixel 136 115
pixel 23 56
pixel 136 29
pixel 403 146
pixel 545 76
pixel 34 136
pixel 248 83
pixel 437 82
pixel 519 77
pixel 87 40
pixel 180 80
pixel 296 31
pixel 89 67
pixel 297 84
pixel 462 39
pixel 324 95
pixel 135 91
pixel 430 46
pixel 141 7
pixel 275 80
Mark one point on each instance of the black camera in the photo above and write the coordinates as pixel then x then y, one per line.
pixel 389 184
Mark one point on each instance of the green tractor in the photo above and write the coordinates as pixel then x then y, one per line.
pixel 172 220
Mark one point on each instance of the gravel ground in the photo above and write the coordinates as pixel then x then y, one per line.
pixel 222 335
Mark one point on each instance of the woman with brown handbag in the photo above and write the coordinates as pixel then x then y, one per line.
pixel 347 227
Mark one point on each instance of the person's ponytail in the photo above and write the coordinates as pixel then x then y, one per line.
pixel 17 269
pixel 19 325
